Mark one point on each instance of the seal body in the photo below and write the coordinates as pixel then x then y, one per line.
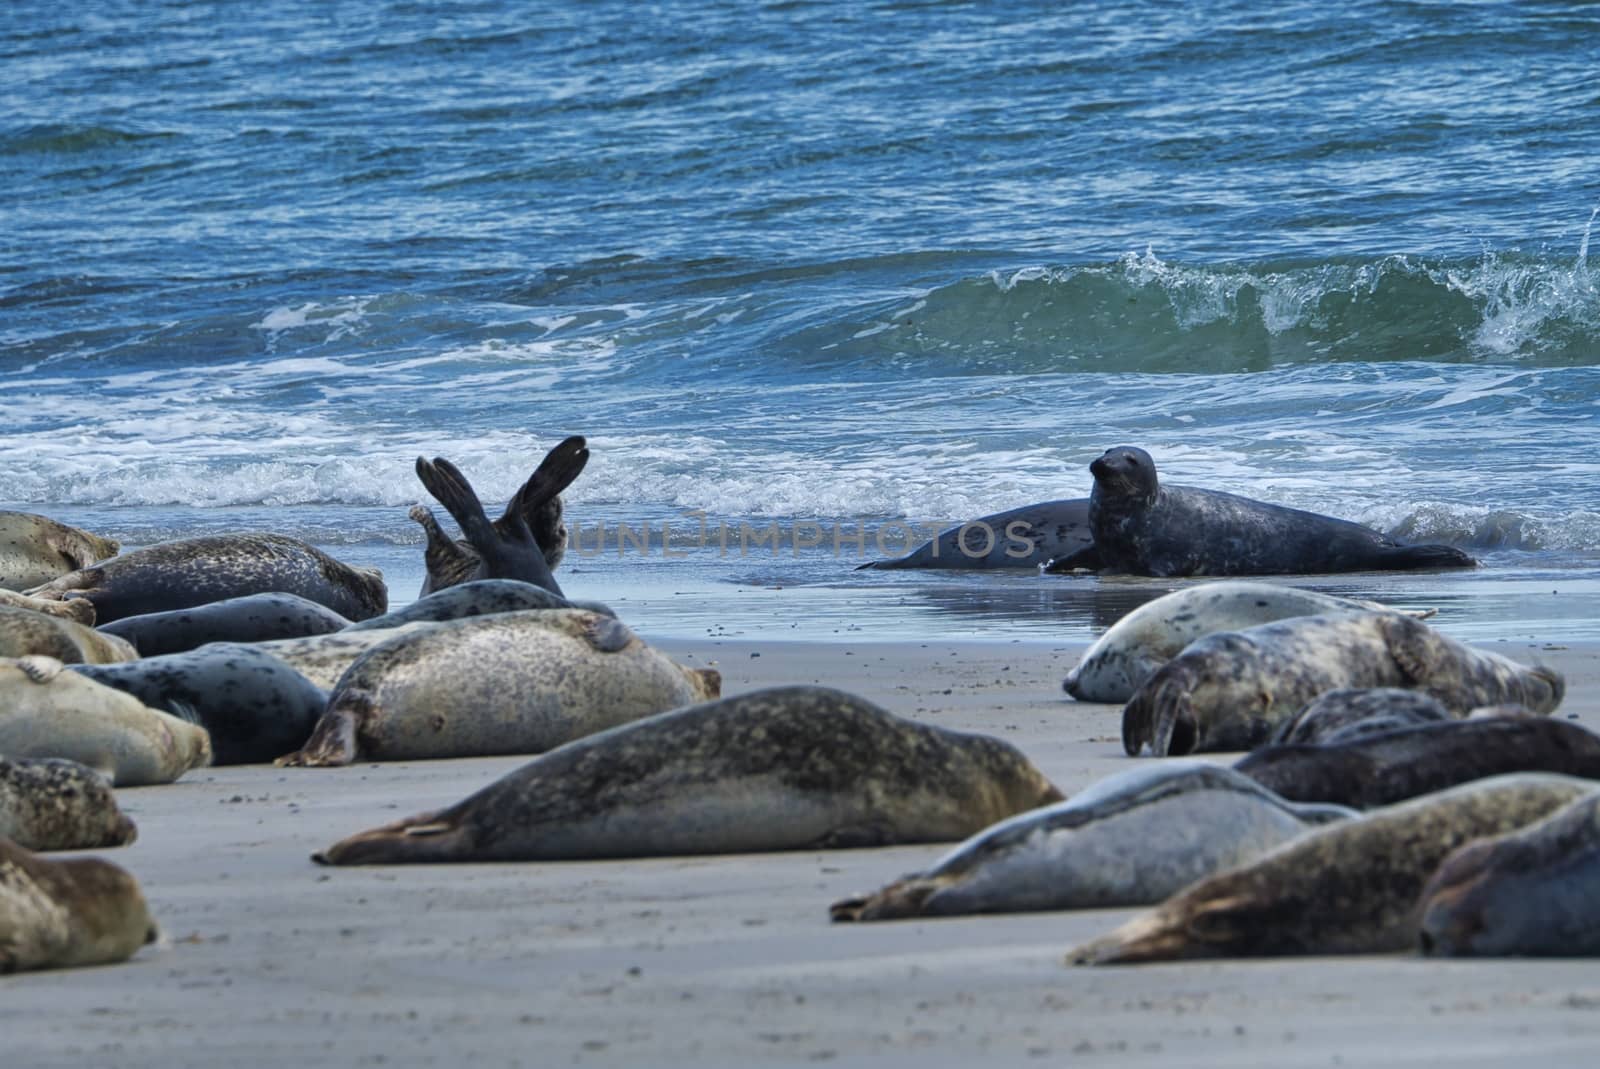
pixel 59 914
pixel 1356 712
pixel 522 682
pixel 252 618
pixel 477 597
pixel 785 768
pixel 1023 537
pixel 46 711
pixel 322 659
pixel 36 549
pixel 1231 690
pixel 1132 839
pixel 1144 527
pixel 192 571
pixel 23 631
pixel 1351 888
pixel 51 804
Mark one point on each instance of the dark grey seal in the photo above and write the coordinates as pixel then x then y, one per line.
pixel 1023 537
pixel 477 597
pixel 1355 712
pixel 252 618
pixel 1144 527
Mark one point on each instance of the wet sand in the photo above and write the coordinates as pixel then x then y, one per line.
pixel 721 961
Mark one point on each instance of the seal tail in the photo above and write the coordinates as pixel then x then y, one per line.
pixel 1431 556
pixel 429 837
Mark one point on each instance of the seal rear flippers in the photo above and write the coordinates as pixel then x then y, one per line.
pixel 423 838
pixel 446 561
pixel 537 501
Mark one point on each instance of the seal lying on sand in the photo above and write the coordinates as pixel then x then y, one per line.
pixel 1355 712
pixel 514 682
pixel 1231 690
pixel 322 659
pixel 36 549
pixel 788 768
pixel 23 631
pixel 1351 888
pixel 52 804
pixel 478 597
pixel 75 609
pixel 1132 839
pixel 58 914
pixel 252 618
pixel 1023 537
pixel 192 571
pixel 1144 527
pixel 1132 650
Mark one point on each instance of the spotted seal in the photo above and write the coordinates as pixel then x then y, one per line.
pixel 53 804
pixel 35 549
pixel 322 659
pixel 476 597
pixel 516 682
pixel 192 571
pixel 1351 888
pixel 1132 839
pixel 1355 712
pixel 1230 690
pixel 1144 527
pixel 260 617
pixel 1024 537
pixel 23 631
pixel 785 768
pixel 59 914
pixel 77 610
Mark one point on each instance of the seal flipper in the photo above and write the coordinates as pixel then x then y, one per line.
pixel 607 634
pixel 512 554
pixel 1088 558
pixel 905 897
pixel 435 836
pixel 539 499
pixel 333 740
pixel 446 561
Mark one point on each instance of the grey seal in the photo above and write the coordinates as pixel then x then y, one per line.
pixel 1024 537
pixel 35 549
pixel 322 659
pixel 1130 840
pixel 260 617
pixel 75 609
pixel 1354 712
pixel 53 804
pixel 60 914
pixel 476 597
pixel 1142 526
pixel 786 768
pixel 23 631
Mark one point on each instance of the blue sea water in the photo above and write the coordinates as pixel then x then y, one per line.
pixel 815 265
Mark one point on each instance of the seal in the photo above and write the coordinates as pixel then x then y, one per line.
pixel 252 618
pixel 35 549
pixel 1530 893
pixel 253 705
pixel 1025 537
pixel 785 768
pixel 451 561
pixel 1141 642
pixel 59 914
pixel 23 631
pixel 322 659
pixel 476 597
pixel 514 682
pixel 1376 770
pixel 1356 712
pixel 1144 527
pixel 52 804
pixel 1231 690
pixel 193 571
pixel 1351 888
pixel 76 609
pixel 47 711
pixel 1130 840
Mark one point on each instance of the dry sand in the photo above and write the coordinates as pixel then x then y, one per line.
pixel 271 960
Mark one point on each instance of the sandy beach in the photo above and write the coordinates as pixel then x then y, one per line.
pixel 269 959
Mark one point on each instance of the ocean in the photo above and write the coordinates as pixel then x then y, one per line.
pixel 802 272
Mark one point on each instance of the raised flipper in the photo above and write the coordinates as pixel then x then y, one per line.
pixel 448 562
pixel 512 554
pixel 539 499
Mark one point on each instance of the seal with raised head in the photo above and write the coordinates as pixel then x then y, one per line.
pixel 1024 537
pixel 1132 839
pixel 59 914
pixel 1351 888
pixel 1231 690
pixel 53 804
pixel 192 571
pixel 260 617
pixel 514 682
pixel 35 549
pixel 23 631
pixel 47 711
pixel 75 609
pixel 786 768
pixel 476 597
pixel 1136 646
pixel 1142 526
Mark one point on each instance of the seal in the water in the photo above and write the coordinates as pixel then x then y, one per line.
pixel 1141 642
pixel 58 914
pixel 787 768
pixel 254 706
pixel 47 711
pixel 1355 712
pixel 1530 893
pixel 23 631
pixel 1144 527
pixel 1231 690
pixel 515 682
pixel 1023 537
pixel 451 561
pixel 53 804
pixel 192 571
pixel 1351 888
pixel 251 618
pixel 75 609
pixel 36 549
pixel 478 597
pixel 1132 839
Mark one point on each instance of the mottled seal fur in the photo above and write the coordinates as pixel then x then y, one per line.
pixel 192 571
pixel 1132 650
pixel 47 711
pixel 59 914
pixel 1355 712
pixel 786 768
pixel 36 549
pixel 75 609
pixel 254 706
pixel 322 659
pixel 1142 526
pixel 1351 888
pixel 478 597
pixel 252 618
pixel 1230 690
pixel 54 804
pixel 517 682
pixel 23 631
pixel 1132 839
pixel 1023 537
